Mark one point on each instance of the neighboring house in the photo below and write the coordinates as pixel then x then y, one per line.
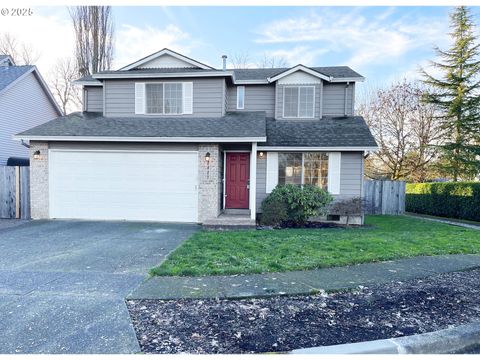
pixel 25 101
pixel 168 138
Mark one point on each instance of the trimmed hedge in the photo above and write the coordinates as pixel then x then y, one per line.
pixel 460 200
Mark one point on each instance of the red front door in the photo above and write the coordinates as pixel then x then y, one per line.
pixel 236 180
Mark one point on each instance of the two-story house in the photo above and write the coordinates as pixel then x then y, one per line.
pixel 168 138
pixel 25 102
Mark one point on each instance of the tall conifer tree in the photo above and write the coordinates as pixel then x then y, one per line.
pixel 456 93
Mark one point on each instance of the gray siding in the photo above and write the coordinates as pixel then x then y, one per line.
pixel 93 98
pixel 351 174
pixel 23 106
pixel 350 177
pixel 334 99
pixel 279 100
pixel 261 180
pixel 207 97
pixel 257 98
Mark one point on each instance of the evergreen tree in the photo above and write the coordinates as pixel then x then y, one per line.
pixel 456 94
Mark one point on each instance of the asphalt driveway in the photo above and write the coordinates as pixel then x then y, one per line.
pixel 63 283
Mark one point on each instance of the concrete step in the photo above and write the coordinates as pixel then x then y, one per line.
pixel 236 212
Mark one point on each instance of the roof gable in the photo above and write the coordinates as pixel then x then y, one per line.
pixel 166 58
pixel 303 69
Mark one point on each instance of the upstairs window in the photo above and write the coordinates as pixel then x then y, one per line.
pixel 164 98
pixel 240 97
pixel 298 101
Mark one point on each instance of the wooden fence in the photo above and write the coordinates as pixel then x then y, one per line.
pixel 14 192
pixel 383 197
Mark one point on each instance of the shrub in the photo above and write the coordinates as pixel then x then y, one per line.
pixel 460 200
pixel 301 202
pixel 274 211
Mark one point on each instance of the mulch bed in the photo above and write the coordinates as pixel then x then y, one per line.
pixel 286 323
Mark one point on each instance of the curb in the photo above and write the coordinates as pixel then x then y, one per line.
pixel 446 341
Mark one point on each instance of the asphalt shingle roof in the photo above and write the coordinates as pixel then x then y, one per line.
pixel 262 74
pixel 345 131
pixel 9 74
pixel 235 124
pixel 240 74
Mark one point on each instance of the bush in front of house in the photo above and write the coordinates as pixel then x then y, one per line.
pixel 295 204
pixel 460 200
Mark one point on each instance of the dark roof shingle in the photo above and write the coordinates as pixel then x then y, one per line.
pixel 235 124
pixel 345 131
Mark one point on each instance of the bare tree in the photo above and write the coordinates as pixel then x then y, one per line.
pixel 241 60
pixel 94 38
pixel 61 78
pixel 272 62
pixel 406 130
pixel 21 53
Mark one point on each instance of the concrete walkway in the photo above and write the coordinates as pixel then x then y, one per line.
pixel 301 282
pixel 444 221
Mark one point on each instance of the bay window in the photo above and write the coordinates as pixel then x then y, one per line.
pixel 298 101
pixel 303 168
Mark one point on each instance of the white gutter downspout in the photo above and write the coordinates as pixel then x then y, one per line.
pixel 346 97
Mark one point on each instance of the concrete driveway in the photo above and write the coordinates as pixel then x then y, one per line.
pixel 63 283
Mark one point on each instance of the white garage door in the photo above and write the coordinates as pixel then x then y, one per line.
pixel 130 185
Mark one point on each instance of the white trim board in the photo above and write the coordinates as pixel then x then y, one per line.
pixel 166 51
pixel 317 148
pixel 300 67
pixel 162 75
pixel 141 139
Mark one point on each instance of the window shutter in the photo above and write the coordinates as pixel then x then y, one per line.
pixel 334 163
pixel 139 98
pixel 188 98
pixel 272 171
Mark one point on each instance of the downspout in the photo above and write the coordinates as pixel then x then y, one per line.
pixel 346 98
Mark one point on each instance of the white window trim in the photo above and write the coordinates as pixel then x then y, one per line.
pixel 163 97
pixel 298 105
pixel 238 97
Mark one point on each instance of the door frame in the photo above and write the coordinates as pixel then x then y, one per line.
pixel 225 173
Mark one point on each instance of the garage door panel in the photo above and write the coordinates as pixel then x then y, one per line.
pixel 159 186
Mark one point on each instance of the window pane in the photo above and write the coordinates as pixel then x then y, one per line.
pixel 289 168
pixel 154 94
pixel 316 169
pixel 290 105
pixel 173 98
pixel 306 102
pixel 240 97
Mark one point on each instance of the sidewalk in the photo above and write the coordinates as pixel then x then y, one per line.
pixel 301 282
pixel 444 221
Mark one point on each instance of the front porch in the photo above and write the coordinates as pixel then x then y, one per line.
pixel 234 165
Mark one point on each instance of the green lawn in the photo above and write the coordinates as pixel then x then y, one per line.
pixel 256 251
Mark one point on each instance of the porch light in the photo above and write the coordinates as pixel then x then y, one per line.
pixel 207 157
pixel 261 154
pixel 36 155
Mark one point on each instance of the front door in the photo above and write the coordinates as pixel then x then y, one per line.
pixel 237 180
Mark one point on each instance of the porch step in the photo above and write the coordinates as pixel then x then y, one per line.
pixel 229 222
pixel 236 212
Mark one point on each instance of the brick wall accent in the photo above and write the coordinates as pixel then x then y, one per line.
pixel 39 181
pixel 209 182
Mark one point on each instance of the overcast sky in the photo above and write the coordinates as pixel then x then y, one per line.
pixel 381 43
